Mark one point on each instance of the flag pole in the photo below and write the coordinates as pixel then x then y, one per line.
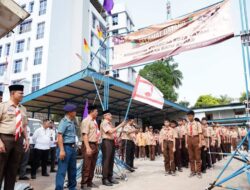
pixel 129 105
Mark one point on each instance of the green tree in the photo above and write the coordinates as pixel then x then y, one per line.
pixel 243 96
pixel 184 103
pixel 165 76
pixel 225 99
pixel 207 100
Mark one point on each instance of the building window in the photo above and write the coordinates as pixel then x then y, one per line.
pixel 40 30
pixel 7 49
pixel 23 6
pixel 31 7
pixel 1 49
pixel 8 35
pixel 17 66
pixel 25 26
pixel 38 55
pixel 116 73
pixel 2 68
pixel 115 19
pixel 19 46
pixel 103 29
pixel 103 49
pixel 35 82
pixel 92 39
pixel 93 21
pixel 115 32
pixel 43 7
pixel 16 81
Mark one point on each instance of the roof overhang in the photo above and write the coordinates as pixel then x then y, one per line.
pixel 11 15
pixel 79 87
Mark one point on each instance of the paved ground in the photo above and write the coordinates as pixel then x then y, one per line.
pixel 150 175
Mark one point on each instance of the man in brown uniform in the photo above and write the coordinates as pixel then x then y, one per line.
pixel 13 122
pixel 193 139
pixel 90 136
pixel 151 143
pixel 108 148
pixel 167 141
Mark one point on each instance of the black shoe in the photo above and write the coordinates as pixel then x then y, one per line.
pixel 24 178
pixel 134 168
pixel 180 170
pixel 204 171
pixel 92 185
pixel 113 181
pixel 46 175
pixel 106 183
pixel 192 174
pixel 53 171
pixel 169 173
pixel 33 177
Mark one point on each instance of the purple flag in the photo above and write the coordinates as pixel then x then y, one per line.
pixel 108 5
pixel 86 110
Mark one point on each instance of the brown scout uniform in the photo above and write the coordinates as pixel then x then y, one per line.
pixel 167 138
pixel 151 144
pixel 10 160
pixel 89 127
pixel 193 131
pixel 234 137
pixel 178 145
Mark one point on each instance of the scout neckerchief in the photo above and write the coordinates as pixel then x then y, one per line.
pixel 18 130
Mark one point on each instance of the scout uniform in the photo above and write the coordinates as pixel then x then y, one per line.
pixel 228 141
pixel 223 139
pixel 13 119
pixel 178 141
pixel 89 127
pixel 141 142
pixel 167 140
pixel 218 142
pixel 184 150
pixel 151 144
pixel 67 128
pixel 206 156
pixel 212 146
pixel 193 131
pixel 234 137
pixel 128 135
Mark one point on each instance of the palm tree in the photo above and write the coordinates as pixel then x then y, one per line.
pixel 175 74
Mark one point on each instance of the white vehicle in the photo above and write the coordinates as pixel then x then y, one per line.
pixel 33 124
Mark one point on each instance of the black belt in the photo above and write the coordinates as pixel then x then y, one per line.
pixel 93 143
pixel 69 144
pixel 9 135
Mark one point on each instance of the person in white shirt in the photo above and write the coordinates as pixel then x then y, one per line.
pixel 41 139
pixel 53 145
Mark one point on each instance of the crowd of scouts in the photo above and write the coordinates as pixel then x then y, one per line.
pixel 184 143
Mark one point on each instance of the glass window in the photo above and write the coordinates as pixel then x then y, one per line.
pixel 16 81
pixel 43 7
pixel 17 66
pixel 38 55
pixel 115 19
pixel 2 69
pixel 40 30
pixel 93 21
pixel 35 82
pixel 19 46
pixel 7 49
pixel 31 7
pixel 115 32
pixel 103 49
pixel 25 26
pixel 103 29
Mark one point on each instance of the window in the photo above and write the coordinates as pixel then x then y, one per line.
pixel 17 66
pixel 40 30
pixel 35 82
pixel 2 69
pixel 93 20
pixel 8 35
pixel 102 64
pixel 19 46
pixel 92 39
pixel 103 29
pixel 116 74
pixel 31 7
pixel 25 26
pixel 115 32
pixel 103 49
pixel 16 81
pixel 38 55
pixel 23 6
pixel 115 19
pixel 43 7
pixel 7 49
pixel 1 49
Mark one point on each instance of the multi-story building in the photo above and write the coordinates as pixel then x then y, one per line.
pixel 48 46
pixel 120 23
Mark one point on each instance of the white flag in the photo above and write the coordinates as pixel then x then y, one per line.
pixel 146 92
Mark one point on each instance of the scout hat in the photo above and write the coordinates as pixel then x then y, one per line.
pixel 70 108
pixel 16 87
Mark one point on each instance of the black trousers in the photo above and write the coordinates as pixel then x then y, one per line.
pixel 40 156
pixel 52 158
pixel 209 158
pixel 129 147
pixel 108 156
pixel 203 159
pixel 177 154
pixel 184 153
pixel 10 160
pixel 147 150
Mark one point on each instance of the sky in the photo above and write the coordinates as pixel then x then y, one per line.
pixel 216 70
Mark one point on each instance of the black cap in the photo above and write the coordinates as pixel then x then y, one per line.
pixel 191 112
pixel 106 112
pixel 92 108
pixel 70 108
pixel 16 87
pixel 131 117
pixel 1 93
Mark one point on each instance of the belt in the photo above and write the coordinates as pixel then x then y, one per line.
pixel 9 135
pixel 93 143
pixel 194 136
pixel 69 144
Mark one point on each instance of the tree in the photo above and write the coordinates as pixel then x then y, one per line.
pixel 207 100
pixel 243 96
pixel 165 76
pixel 184 103
pixel 225 99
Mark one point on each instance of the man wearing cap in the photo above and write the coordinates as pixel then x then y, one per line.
pixel 90 136
pixel 13 136
pixel 193 143
pixel 128 135
pixel 108 132
pixel 67 151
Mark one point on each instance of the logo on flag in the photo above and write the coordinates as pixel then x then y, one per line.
pixel 147 93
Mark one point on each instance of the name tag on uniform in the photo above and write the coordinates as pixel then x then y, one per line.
pixel 11 111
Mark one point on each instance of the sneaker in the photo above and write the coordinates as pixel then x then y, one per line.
pixel 192 174
pixel 199 175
